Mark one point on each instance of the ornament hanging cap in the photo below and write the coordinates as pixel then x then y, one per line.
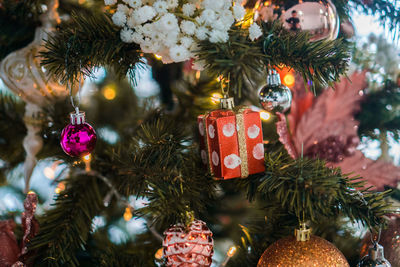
pixel 376 252
pixel 227 102
pixel 273 78
pixel 303 234
pixel 77 117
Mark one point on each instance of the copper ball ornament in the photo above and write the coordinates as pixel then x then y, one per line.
pixel 318 17
pixel 188 246
pixel 290 252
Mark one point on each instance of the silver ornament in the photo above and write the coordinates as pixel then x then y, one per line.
pixel 375 258
pixel 274 96
pixel 318 17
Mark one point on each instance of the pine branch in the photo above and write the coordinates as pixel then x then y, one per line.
pixel 87 42
pixel 65 228
pixel 321 62
pixel 310 190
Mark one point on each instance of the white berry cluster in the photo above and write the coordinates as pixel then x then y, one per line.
pixel 171 28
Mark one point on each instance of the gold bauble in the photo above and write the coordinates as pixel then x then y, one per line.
pixel 288 252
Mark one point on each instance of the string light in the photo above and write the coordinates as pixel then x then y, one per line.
pixel 215 98
pixel 265 116
pixel 229 254
pixel 159 254
pixel 87 159
pixel 109 92
pixel 128 214
pixel 49 173
pixel 198 75
pixel 288 80
pixel 60 187
pixel 158 57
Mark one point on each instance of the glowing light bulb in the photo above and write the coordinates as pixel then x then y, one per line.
pixel 232 250
pixel 87 158
pixel 158 57
pixel 109 92
pixel 198 75
pixel 60 187
pixel 127 214
pixel 288 80
pixel 215 98
pixel 159 254
pixel 31 192
pixel 264 115
pixel 49 173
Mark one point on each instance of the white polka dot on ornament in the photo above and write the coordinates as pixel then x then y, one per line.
pixel 215 158
pixel 228 129
pixel 201 128
pixel 211 131
pixel 203 154
pixel 232 161
pixel 253 131
pixel 258 151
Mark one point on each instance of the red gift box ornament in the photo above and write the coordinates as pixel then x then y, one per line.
pixel 231 141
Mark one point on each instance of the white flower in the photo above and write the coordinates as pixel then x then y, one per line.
pixel 137 37
pixel 227 17
pixel 186 41
pixel 123 8
pixel 119 18
pixel 254 31
pixel 215 5
pixel 110 2
pixel 145 14
pixel 201 33
pixel 219 36
pixel 208 16
pixel 220 25
pixel 146 46
pixel 188 27
pixel 135 3
pixel 238 12
pixel 168 22
pixel 131 21
pixel 148 29
pixel 160 6
pixel 172 3
pixel 127 35
pixel 188 9
pixel 171 39
pixel 179 53
pixel 199 20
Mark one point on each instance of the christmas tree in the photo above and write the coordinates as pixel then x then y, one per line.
pixel 198 133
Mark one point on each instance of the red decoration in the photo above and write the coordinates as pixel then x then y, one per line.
pixel 188 246
pixel 10 253
pixel 9 249
pixel 231 142
pixel 325 127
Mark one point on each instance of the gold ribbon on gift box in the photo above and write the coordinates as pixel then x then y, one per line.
pixel 241 135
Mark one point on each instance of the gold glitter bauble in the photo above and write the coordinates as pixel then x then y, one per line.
pixel 287 252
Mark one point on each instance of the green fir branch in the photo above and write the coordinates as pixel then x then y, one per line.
pixel 65 228
pixel 310 190
pixel 88 41
pixel 322 62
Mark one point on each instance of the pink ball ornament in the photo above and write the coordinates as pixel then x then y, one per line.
pixel 78 138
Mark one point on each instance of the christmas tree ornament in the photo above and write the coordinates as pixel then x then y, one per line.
pixel 190 245
pixel 11 254
pixel 231 141
pixel 302 250
pixel 389 239
pixel 78 138
pixel 21 73
pixel 317 17
pixel 375 258
pixel 274 96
